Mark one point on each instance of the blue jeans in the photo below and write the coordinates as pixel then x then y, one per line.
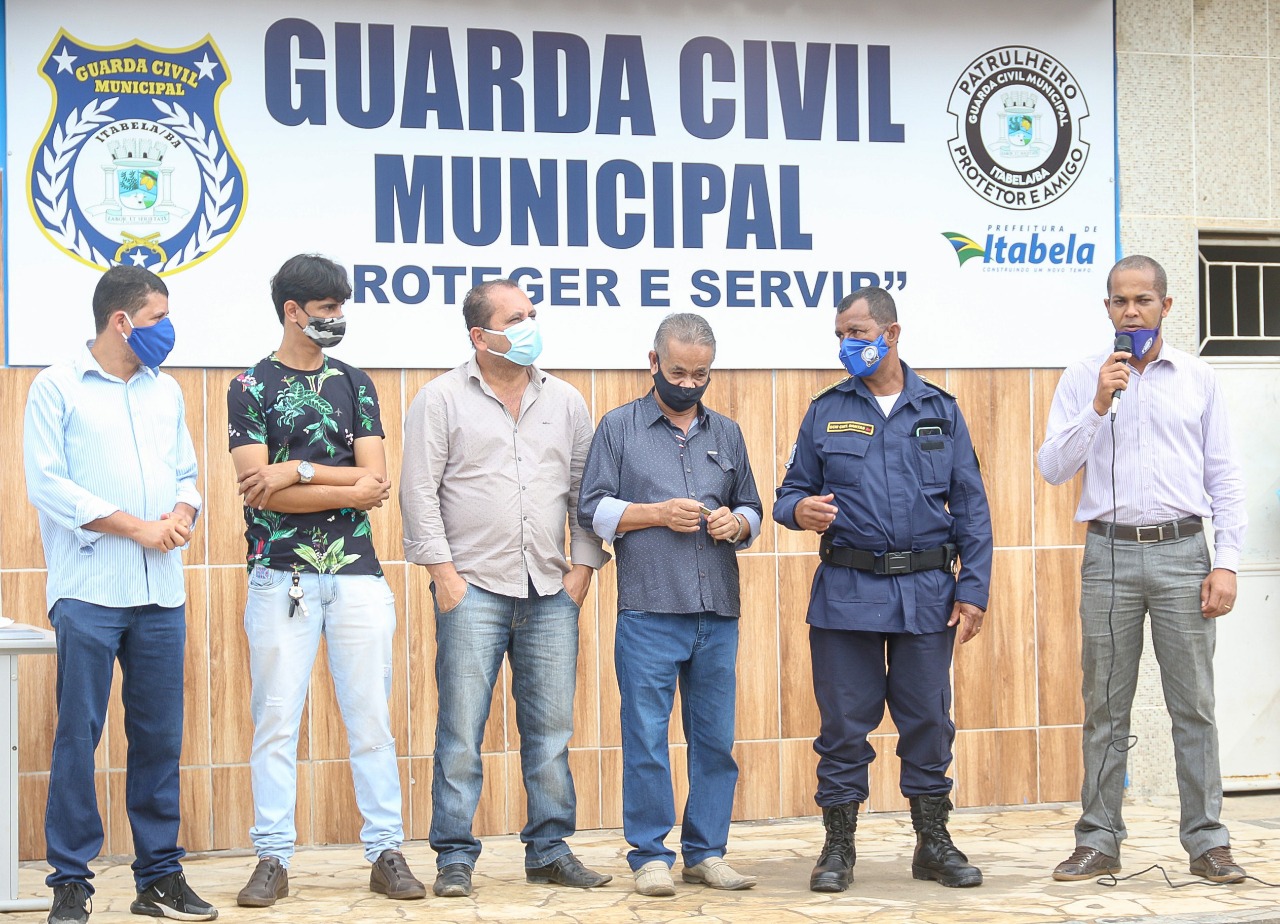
pixel 148 641
pixel 540 636
pixel 652 651
pixel 356 614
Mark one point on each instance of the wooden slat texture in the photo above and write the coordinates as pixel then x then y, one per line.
pixel 1017 686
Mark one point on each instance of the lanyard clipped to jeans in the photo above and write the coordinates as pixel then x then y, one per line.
pixel 296 603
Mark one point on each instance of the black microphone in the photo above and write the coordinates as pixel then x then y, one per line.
pixel 1124 344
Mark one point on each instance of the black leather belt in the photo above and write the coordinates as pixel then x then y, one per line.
pixel 1159 532
pixel 943 558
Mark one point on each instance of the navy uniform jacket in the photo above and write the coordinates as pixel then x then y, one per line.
pixel 899 485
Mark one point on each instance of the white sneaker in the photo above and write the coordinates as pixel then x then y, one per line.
pixel 716 873
pixel 654 878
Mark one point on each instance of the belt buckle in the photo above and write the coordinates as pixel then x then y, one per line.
pixel 896 563
pixel 1158 530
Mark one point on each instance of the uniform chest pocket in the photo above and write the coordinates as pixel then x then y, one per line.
pixel 844 461
pixel 935 454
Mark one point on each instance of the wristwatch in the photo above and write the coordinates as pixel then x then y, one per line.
pixel 306 471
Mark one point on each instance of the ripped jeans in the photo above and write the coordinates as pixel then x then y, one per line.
pixel 357 616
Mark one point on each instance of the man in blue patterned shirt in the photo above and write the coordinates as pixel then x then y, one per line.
pixel 306 440
pixel 677 505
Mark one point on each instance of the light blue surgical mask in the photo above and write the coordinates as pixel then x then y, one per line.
pixel 525 339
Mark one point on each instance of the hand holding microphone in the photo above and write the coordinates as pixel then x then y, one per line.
pixel 1113 378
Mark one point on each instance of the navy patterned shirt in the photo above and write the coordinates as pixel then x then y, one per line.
pixel 638 456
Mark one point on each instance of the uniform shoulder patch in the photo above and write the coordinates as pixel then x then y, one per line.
pixel 936 387
pixel 829 387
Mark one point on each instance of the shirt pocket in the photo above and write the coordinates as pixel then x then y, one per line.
pixel 717 480
pixel 844 461
pixel 935 455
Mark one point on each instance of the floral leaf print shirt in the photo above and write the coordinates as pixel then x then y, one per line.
pixel 313 416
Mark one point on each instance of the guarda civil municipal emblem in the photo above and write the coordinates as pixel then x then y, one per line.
pixel 134 166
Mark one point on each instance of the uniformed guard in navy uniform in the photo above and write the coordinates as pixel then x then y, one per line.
pixel 885 471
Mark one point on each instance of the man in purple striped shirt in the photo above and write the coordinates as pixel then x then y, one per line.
pixel 1156 463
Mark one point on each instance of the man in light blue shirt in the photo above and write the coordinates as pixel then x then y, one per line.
pixel 111 468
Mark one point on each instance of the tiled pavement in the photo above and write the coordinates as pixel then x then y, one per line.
pixel 1015 847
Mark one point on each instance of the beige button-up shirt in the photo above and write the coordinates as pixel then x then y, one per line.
pixel 492 494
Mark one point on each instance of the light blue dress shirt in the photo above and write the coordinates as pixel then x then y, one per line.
pixel 94 444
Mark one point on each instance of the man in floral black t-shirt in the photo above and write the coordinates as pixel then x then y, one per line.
pixel 306 440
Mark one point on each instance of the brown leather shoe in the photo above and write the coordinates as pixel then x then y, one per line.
pixel 391 877
pixel 1085 863
pixel 269 881
pixel 1217 865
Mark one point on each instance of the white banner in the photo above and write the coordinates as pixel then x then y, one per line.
pixel 748 162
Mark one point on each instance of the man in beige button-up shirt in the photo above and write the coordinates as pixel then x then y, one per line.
pixel 493 456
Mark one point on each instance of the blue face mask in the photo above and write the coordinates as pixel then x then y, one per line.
pixel 153 344
pixel 1143 340
pixel 862 357
pixel 525 339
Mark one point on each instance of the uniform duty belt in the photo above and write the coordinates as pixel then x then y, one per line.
pixel 943 558
pixel 1160 532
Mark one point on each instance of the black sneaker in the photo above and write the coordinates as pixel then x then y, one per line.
pixel 71 904
pixel 171 897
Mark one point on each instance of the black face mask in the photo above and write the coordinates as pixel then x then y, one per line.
pixel 677 397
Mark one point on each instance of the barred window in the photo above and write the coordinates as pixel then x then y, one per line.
pixel 1239 294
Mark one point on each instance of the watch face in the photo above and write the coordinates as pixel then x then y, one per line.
pixel 306 471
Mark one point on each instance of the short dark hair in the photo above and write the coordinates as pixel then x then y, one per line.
pixel 477 307
pixel 1139 262
pixel 880 304
pixel 308 277
pixel 123 288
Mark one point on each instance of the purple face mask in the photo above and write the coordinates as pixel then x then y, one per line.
pixel 1143 340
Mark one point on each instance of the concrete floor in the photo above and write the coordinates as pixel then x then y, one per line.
pixel 1016 848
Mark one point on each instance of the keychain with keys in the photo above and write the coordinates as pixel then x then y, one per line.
pixel 296 602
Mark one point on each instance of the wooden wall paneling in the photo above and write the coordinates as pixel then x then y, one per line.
pixel 305 803
pixel 191 381
pixel 33 794
pixel 798 765
pixel 223 506
pixel 517 800
pixel 232 806
pixel 1061 764
pixel 610 700
pixel 398 703
pixel 586 698
pixel 678 754
pixel 757 667
pixel 1055 505
pixel 231 725
pixel 417 799
pixel 385 520
pixel 611 787
pixel 195 670
pixel 616 387
pixel 995 673
pixel 119 835
pixel 885 776
pixel 1058 635
pixel 996 767
pixel 19 523
pixel 335 816
pixel 746 396
pixel 196 830
pixel 793 392
pixel 421 628
pixel 491 813
pixel 22 593
pixel 759 771
pixel 799 711
pixel 996 404
pixel 584 764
